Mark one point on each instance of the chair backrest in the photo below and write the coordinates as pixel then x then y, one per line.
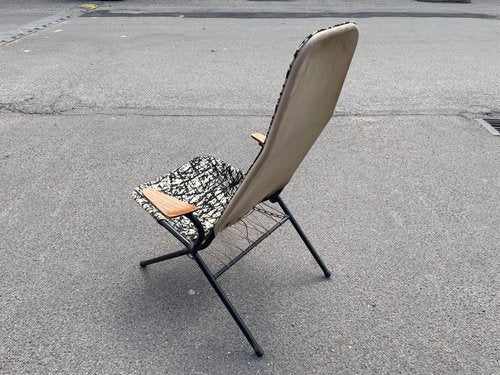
pixel 306 104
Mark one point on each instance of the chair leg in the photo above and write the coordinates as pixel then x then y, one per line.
pixel 227 303
pixel 302 235
pixel 175 254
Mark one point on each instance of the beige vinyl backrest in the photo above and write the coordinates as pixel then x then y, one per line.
pixel 307 102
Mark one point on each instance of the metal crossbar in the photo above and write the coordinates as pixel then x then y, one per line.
pixel 249 248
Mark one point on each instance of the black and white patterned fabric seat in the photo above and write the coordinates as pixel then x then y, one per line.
pixel 206 182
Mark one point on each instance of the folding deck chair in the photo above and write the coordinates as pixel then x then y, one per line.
pixel 206 196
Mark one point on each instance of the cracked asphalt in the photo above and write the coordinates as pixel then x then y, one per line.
pixel 399 195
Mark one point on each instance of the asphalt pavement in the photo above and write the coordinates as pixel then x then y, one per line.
pixel 399 195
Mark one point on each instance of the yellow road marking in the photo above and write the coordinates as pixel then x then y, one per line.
pixel 88 6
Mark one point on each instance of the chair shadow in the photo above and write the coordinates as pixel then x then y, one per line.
pixel 164 300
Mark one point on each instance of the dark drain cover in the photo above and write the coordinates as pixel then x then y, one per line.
pixel 491 124
pixel 494 122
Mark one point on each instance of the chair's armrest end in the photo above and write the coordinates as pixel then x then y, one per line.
pixel 261 138
pixel 169 206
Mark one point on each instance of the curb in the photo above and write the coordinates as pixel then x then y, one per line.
pixel 44 23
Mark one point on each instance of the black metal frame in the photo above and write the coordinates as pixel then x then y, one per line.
pixel 204 241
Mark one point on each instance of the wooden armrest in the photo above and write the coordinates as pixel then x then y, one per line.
pixel 261 138
pixel 166 204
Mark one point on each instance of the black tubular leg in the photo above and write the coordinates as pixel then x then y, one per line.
pixel 227 303
pixel 302 235
pixel 175 254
